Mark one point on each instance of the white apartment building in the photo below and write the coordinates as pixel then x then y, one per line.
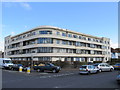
pixel 48 43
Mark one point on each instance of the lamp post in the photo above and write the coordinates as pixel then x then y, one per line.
pixel 31 61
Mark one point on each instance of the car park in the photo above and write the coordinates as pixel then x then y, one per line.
pixel 104 67
pixel 116 66
pixel 49 67
pixel 88 69
pixel 16 67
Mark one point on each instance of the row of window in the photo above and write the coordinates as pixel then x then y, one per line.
pixel 56 50
pixel 81 59
pixel 81 37
pixel 31 34
pixel 64 42
pixel 63 34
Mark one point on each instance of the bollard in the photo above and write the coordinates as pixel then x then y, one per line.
pixel 28 70
pixel 20 69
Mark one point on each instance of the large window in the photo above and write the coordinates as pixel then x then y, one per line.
pixel 75 36
pixel 45 40
pixel 64 42
pixel 64 34
pixel 45 50
pixel 77 43
pixel 58 41
pixel 70 42
pixel 45 32
pixel 58 33
pixel 44 58
pixel 69 35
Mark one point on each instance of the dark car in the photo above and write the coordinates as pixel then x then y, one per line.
pixel 16 67
pixel 116 66
pixel 48 67
pixel 118 78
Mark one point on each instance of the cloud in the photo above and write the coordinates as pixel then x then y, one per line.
pixel 25 26
pixel 12 33
pixel 26 6
pixel 114 45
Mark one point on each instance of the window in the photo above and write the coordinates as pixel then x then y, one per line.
pixel 45 32
pixel 84 38
pixel 80 37
pixel 64 42
pixel 77 43
pixel 33 33
pixel 89 39
pixel 45 50
pixel 64 34
pixel 45 40
pixel 101 41
pixel 78 51
pixel 77 59
pixel 58 33
pixel 58 41
pixel 69 42
pixel 44 58
pixel 92 45
pixel 75 36
pixel 69 35
pixel 24 36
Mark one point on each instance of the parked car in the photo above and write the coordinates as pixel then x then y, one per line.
pixel 116 66
pixel 48 67
pixel 118 78
pixel 104 67
pixel 88 69
pixel 16 67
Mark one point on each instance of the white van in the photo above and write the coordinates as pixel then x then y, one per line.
pixel 5 63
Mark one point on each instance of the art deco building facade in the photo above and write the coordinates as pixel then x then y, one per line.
pixel 48 43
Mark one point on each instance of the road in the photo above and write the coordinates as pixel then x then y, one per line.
pixel 64 79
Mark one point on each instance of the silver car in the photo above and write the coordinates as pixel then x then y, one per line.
pixel 88 69
pixel 104 67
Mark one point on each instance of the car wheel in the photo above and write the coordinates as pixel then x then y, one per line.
pixel 54 71
pixel 89 73
pixel 12 69
pixel 97 71
pixel 38 70
pixel 111 70
pixel 100 70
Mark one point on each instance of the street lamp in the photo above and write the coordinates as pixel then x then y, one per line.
pixel 31 61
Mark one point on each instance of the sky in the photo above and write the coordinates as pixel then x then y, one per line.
pixel 94 18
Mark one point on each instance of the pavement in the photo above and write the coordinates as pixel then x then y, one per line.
pixel 66 78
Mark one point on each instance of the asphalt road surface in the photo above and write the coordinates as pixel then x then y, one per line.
pixel 63 79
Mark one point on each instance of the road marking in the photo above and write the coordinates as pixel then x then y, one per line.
pixel 56 75
pixel 56 87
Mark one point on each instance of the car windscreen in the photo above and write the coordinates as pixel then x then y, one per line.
pixel 117 64
pixel 83 66
pixel 51 64
pixel 7 61
pixel 19 65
